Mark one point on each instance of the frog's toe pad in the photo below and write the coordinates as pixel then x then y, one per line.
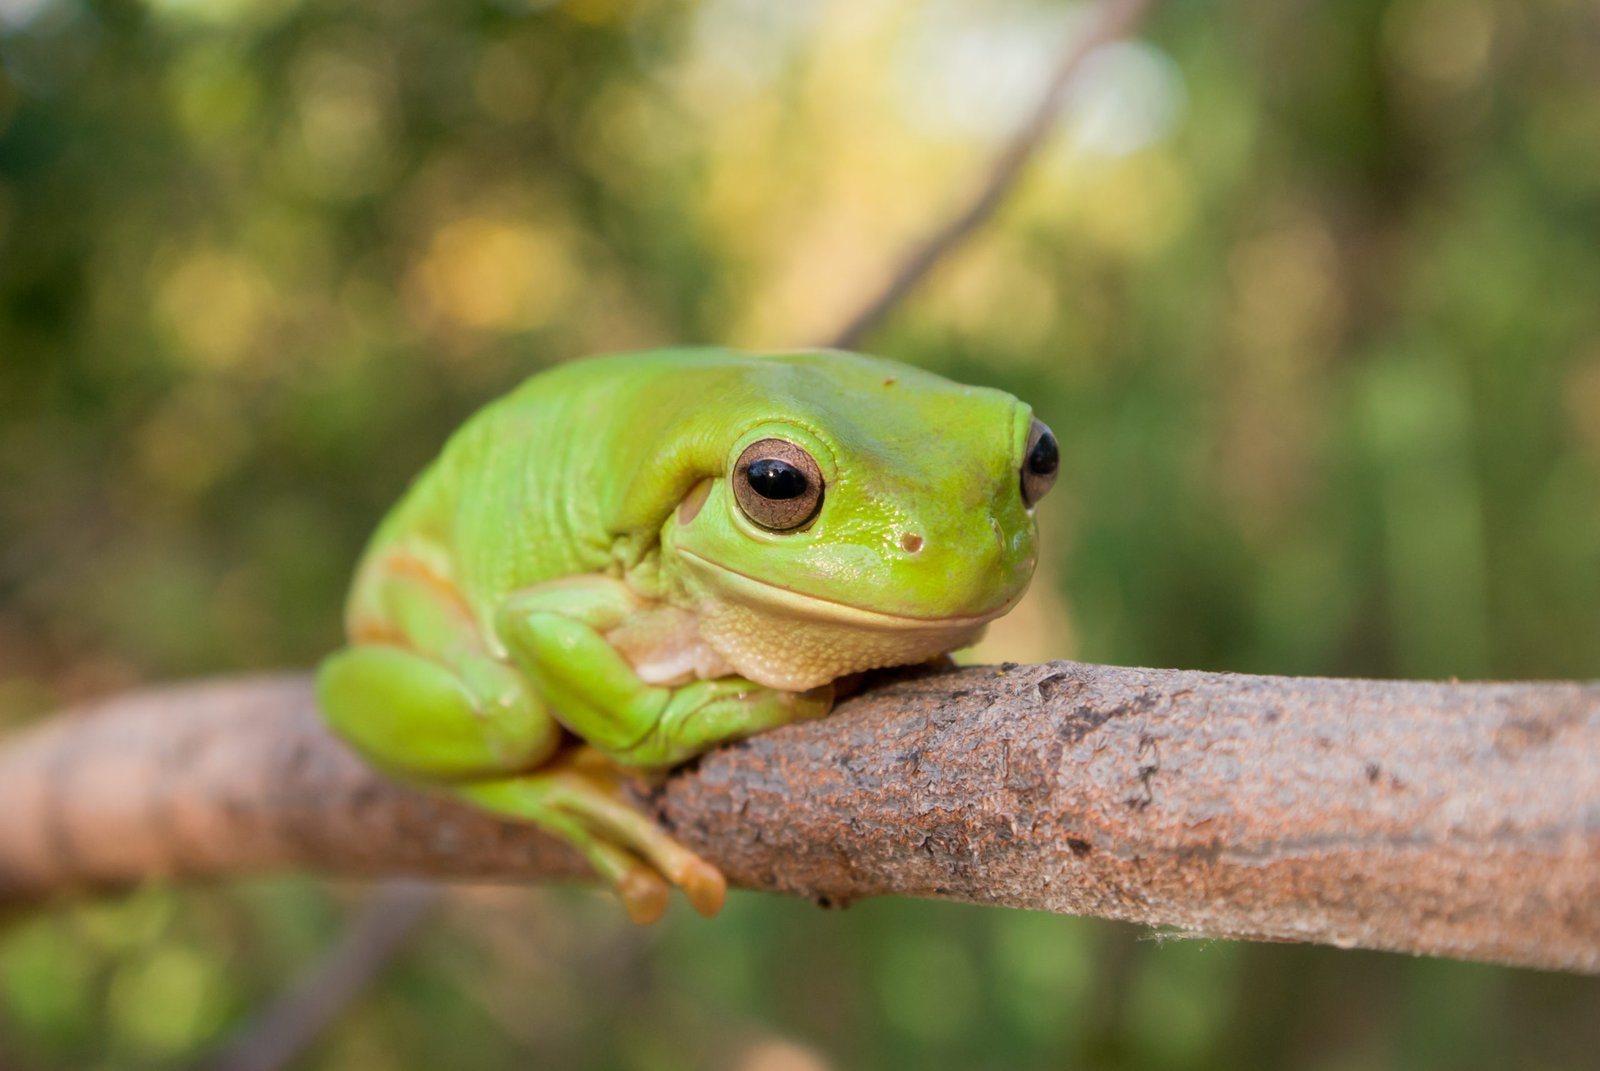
pixel 704 885
pixel 583 804
pixel 644 895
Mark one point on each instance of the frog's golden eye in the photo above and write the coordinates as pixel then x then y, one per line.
pixel 777 485
pixel 1039 463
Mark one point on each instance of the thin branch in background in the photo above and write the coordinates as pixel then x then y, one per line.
pixel 382 927
pixel 379 931
pixel 1114 19
pixel 263 1044
pixel 8 1061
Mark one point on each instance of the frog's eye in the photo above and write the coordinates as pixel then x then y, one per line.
pixel 1039 463
pixel 777 485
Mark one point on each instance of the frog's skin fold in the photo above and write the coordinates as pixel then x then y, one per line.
pixel 652 554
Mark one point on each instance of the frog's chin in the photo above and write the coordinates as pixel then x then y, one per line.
pixel 793 641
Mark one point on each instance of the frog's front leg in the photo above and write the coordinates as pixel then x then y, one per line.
pixel 421 696
pixel 557 634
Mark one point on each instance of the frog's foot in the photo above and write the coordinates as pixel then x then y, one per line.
pixel 578 799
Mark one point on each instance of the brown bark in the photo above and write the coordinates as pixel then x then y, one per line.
pixel 1443 819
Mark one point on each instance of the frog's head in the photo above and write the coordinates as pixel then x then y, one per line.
pixel 861 514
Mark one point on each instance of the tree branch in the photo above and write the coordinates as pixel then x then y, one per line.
pixel 1113 19
pixel 1442 819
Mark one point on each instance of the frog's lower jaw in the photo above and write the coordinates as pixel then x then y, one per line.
pixel 794 642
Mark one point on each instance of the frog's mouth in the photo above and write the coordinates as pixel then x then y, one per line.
pixel 738 586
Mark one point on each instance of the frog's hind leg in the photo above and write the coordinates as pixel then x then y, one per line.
pixel 420 697
pixel 417 719
pixel 418 692
pixel 578 796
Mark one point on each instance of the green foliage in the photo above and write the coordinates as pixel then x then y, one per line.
pixel 1308 297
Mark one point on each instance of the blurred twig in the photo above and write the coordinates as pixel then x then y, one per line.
pixel 1113 19
pixel 390 916
pixel 389 912
pixel 382 926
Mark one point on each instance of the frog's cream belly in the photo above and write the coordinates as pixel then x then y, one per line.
pixel 664 646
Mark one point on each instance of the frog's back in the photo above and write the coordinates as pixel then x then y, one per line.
pixel 520 493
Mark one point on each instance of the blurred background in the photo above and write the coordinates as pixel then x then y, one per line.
pixel 1309 292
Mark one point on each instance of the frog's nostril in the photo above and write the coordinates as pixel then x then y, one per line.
pixel 999 534
pixel 911 542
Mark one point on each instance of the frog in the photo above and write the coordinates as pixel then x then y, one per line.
pixel 631 559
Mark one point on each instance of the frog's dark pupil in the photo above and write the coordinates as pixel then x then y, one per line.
pixel 1045 456
pixel 771 478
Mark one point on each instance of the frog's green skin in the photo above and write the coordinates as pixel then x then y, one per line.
pixel 576 563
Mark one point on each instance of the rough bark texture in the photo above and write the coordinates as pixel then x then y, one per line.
pixel 1443 819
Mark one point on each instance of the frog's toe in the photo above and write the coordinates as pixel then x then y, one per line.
pixel 591 798
pixel 644 894
pixel 582 804
pixel 704 885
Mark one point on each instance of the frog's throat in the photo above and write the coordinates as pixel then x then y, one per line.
pixel 789 640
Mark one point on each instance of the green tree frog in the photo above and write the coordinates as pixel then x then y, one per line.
pixel 652 554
